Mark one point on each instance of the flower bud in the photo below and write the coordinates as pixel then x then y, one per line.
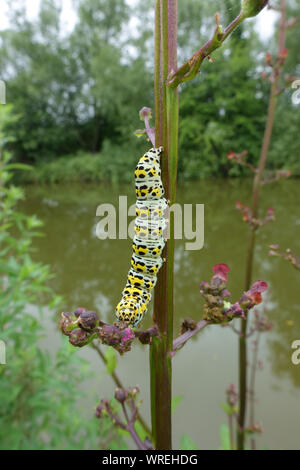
pixel 236 310
pixel 88 320
pixel 254 428
pixel 118 338
pixel 204 287
pixel 231 155
pixel 65 323
pixel 283 54
pixel 79 338
pixel 133 391
pixel 251 8
pixel 101 409
pixel 232 396
pixel 145 113
pixel 225 294
pixel 121 394
pixel 79 311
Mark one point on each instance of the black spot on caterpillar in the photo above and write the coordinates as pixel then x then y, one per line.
pixel 148 242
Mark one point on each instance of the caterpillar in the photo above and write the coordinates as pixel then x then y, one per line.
pixel 148 242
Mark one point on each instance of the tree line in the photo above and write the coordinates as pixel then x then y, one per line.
pixel 79 92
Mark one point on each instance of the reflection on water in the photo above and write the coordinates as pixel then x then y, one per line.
pixel 90 272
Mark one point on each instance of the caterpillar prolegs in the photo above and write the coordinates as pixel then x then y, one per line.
pixel 148 242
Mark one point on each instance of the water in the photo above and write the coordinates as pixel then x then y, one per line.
pixel 91 273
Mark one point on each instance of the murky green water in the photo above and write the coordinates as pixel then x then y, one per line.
pixel 90 272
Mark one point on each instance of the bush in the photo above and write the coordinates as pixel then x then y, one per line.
pixel 113 164
pixel 38 407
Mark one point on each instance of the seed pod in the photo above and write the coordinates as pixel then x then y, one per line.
pixel 88 320
pixel 251 8
pixel 79 311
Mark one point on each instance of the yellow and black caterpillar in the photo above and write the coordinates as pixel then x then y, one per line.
pixel 148 242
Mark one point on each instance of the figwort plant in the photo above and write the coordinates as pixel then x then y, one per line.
pixel 289 255
pixel 84 327
pixel 251 213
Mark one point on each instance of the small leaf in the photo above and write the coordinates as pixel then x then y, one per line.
pixel 186 443
pixel 140 132
pixel 226 408
pixel 225 437
pixel 111 357
pixel 175 402
pixel 141 431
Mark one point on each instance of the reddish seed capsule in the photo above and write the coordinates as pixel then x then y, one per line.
pixel 120 394
pixel 79 311
pixel 79 338
pixel 88 320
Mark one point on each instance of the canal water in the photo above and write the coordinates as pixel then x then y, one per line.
pixel 90 272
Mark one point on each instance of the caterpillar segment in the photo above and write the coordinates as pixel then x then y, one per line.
pixel 149 249
pixel 148 242
pixel 141 280
pixel 147 229
pixel 151 209
pixel 149 189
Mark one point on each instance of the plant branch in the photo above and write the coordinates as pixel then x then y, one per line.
pixel 124 397
pixel 120 385
pixel 252 386
pixel 192 66
pixel 180 341
pixel 252 235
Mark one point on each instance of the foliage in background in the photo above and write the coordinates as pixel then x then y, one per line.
pixel 285 150
pixel 38 406
pixel 114 163
pixel 66 89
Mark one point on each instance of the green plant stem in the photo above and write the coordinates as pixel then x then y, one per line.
pixel 252 235
pixel 254 366
pixel 190 68
pixel 166 134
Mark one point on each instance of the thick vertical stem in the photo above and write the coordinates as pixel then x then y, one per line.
pixel 254 366
pixel 243 349
pixel 166 134
pixel 251 244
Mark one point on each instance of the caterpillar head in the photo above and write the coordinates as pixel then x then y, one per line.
pixel 128 312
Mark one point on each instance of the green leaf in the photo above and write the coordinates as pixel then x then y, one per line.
pixel 175 402
pixel 141 431
pixel 226 408
pixel 225 437
pixel 111 357
pixel 186 443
